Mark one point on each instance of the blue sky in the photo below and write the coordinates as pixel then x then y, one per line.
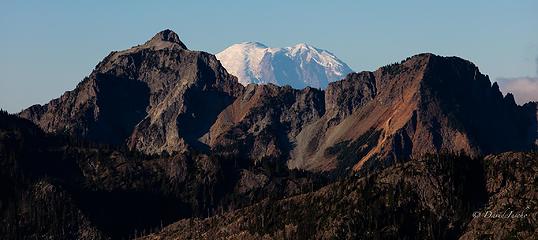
pixel 47 47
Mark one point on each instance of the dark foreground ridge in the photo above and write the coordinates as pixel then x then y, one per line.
pixel 58 187
pixel 431 198
pixel 66 189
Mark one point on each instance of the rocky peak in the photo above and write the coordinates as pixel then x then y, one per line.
pixel 166 37
pixel 423 104
pixel 155 97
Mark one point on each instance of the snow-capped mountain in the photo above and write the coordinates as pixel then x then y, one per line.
pixel 298 66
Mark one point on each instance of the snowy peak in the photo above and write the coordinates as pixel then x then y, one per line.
pixel 299 66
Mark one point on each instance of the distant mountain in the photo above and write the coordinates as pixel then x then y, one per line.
pixel 298 66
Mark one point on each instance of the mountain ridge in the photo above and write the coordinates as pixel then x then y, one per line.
pixel 186 100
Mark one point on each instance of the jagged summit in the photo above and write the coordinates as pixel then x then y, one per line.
pixel 167 35
pixel 165 38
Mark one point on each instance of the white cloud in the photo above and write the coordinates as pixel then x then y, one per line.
pixel 524 89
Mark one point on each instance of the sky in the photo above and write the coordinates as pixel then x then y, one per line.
pixel 47 47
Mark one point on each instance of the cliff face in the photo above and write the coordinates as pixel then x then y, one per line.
pixel 264 121
pixel 161 97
